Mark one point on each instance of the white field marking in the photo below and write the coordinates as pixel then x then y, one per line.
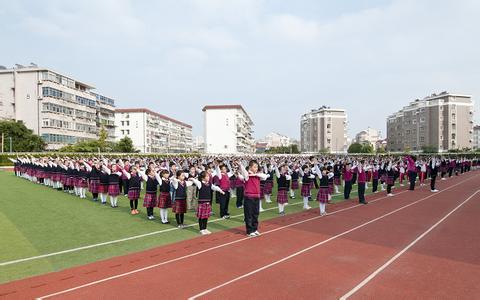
pixel 20 260
pixel 222 245
pixel 391 260
pixel 206 250
pixel 318 244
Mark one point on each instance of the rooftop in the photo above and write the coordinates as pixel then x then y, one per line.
pixel 232 106
pixel 145 110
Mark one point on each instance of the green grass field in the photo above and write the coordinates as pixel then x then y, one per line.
pixel 37 220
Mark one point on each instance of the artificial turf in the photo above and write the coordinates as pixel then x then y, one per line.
pixel 37 220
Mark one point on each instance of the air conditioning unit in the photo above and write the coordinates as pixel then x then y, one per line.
pixel 40 81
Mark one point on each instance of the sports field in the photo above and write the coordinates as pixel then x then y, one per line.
pixel 413 245
pixel 38 221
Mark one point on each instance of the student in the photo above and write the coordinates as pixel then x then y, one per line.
pixel 192 190
pixel 82 180
pixel 307 178
pixel 361 177
pixel 204 200
pixel 294 182
pixel 151 179
pixel 412 171
pixel 390 171
pixel 337 174
pixel 133 180
pixel 113 184
pixel 103 188
pixel 267 191
pixel 164 200
pixel 239 188
pixel 252 196
pixel 423 173
pixel 282 187
pixel 180 203
pixel 94 174
pixel 375 178
pixel 434 164
pixel 323 191
pixel 347 179
pixel 223 181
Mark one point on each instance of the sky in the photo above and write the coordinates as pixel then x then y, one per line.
pixel 277 58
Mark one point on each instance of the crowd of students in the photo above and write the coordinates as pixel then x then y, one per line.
pixel 192 183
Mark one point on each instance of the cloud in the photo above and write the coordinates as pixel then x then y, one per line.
pixel 292 28
pixel 211 38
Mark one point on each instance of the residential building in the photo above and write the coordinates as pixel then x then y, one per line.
pixel 152 132
pixel 324 129
pixel 228 130
pixel 443 121
pixel 274 139
pixel 199 144
pixel 476 137
pixel 369 135
pixel 261 147
pixel 60 109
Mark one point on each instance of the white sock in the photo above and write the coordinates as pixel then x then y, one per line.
pixel 322 207
pixel 111 201
pixel 260 204
pixel 280 207
pixel 115 200
pixel 336 189
pixel 292 193
pixel 164 214
pixel 305 202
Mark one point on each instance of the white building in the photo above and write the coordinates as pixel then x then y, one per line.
pixel 324 129
pixel 369 135
pixel 199 144
pixel 476 137
pixel 228 130
pixel 60 109
pixel 152 132
pixel 275 139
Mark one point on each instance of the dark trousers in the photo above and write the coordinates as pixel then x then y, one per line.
pixel 224 200
pixel 251 208
pixel 149 211
pixel 347 189
pixel 374 185
pixel 412 177
pixel 134 204
pixel 361 192
pixel 202 223
pixel 432 182
pixel 389 188
pixel 179 218
pixel 126 185
pixel 239 192
pixel 450 171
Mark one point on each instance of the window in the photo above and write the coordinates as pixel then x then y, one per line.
pixel 453 136
pixel 128 123
pixel 122 123
pixel 123 132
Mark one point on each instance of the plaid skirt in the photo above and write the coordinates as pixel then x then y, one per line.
pixel 94 185
pixel 62 178
pixel 336 180
pixel 268 187
pixel 282 197
pixel 322 195
pixel 294 184
pixel 383 178
pixel 113 189
pixel 103 188
pixel 330 188
pixel 164 200
pixel 133 194
pixel 69 181
pixel 150 200
pixel 203 210
pixel 306 190
pixel 40 174
pixel 81 182
pixel 390 180
pixel 180 206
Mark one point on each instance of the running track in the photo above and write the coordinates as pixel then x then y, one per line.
pixel 414 245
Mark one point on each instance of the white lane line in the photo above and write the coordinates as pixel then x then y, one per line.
pixel 316 245
pixel 391 260
pixel 208 249
pixel 20 260
pixel 220 246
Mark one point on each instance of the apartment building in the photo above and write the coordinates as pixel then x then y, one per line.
pixel 369 135
pixel 476 137
pixel 274 139
pixel 444 121
pixel 152 132
pixel 324 129
pixel 60 109
pixel 228 130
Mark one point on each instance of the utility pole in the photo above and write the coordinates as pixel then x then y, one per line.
pixel 10 144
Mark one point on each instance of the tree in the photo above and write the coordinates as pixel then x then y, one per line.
pixel 429 149
pixel 102 139
pixel 23 139
pixel 125 145
pixel 355 148
pixel 367 148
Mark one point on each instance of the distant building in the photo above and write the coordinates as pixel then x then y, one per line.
pixel 260 147
pixel 324 129
pixel 476 137
pixel 274 139
pixel 199 144
pixel 60 109
pixel 152 132
pixel 444 121
pixel 368 135
pixel 228 130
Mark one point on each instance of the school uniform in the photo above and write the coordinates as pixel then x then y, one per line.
pixel 251 204
pixel 223 199
pixel 282 189
pixel 164 199
pixel 347 179
pixel 361 178
pixel 150 198
pixel 324 189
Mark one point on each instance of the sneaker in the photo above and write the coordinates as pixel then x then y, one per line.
pixel 132 212
pixel 151 217
pixel 136 211
pixel 434 191
pixel 257 233
pixel 202 232
pixel 207 231
pixel 252 234
pixel 261 210
pixel 308 207
pixel 240 207
pixel 390 195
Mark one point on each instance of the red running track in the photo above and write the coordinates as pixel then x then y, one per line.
pixel 302 255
